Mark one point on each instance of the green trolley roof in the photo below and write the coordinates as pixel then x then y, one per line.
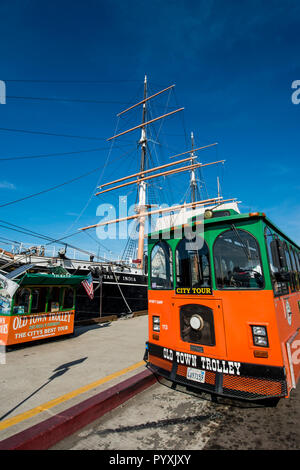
pixel 233 217
pixel 38 279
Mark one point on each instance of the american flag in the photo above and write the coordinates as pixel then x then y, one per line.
pixel 88 285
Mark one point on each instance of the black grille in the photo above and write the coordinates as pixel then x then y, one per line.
pixel 245 388
pixel 252 387
pixel 205 336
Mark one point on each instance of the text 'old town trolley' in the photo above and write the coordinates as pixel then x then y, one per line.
pixel 37 306
pixel 224 316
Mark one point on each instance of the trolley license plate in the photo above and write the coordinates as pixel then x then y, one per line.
pixel 196 375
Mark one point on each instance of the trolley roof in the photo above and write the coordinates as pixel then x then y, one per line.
pixel 218 220
pixel 38 279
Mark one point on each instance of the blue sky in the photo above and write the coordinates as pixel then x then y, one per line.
pixel 233 64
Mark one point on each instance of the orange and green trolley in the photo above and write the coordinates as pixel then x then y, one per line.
pixel 224 314
pixel 43 306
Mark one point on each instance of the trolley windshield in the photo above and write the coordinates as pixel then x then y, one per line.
pixel 237 261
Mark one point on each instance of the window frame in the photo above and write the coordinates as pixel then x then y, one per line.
pixel 297 261
pixel 239 289
pixel 288 249
pixel 272 277
pixel 162 243
pixel 38 288
pixel 15 297
pixel 293 283
pixel 208 254
pixel 62 307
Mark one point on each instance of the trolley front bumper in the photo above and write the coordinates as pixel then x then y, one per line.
pixel 244 381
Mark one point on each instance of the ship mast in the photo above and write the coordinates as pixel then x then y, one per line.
pixel 142 185
pixel 142 177
pixel 193 182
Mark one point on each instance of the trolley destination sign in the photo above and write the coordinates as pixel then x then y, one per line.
pixel 194 290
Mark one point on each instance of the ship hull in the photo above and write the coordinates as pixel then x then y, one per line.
pixel 118 294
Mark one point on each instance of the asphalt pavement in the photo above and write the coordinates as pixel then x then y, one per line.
pixel 40 380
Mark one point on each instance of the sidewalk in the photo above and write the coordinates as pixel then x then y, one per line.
pixel 46 379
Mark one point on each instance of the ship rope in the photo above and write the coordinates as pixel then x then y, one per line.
pixel 130 311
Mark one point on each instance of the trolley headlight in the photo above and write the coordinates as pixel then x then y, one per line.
pixel 259 330
pixel 156 323
pixel 196 322
pixel 260 337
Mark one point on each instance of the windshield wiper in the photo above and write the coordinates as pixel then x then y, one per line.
pixel 246 249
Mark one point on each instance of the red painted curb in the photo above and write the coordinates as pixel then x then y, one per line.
pixel 47 433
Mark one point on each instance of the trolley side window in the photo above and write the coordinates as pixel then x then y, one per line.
pixel 22 300
pixel 294 274
pixel 297 269
pixel 38 303
pixel 53 299
pixel 277 262
pixel 68 298
pixel 192 265
pixel 161 266
pixel 237 261
pixel 287 257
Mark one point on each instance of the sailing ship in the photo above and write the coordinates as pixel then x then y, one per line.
pixel 120 288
